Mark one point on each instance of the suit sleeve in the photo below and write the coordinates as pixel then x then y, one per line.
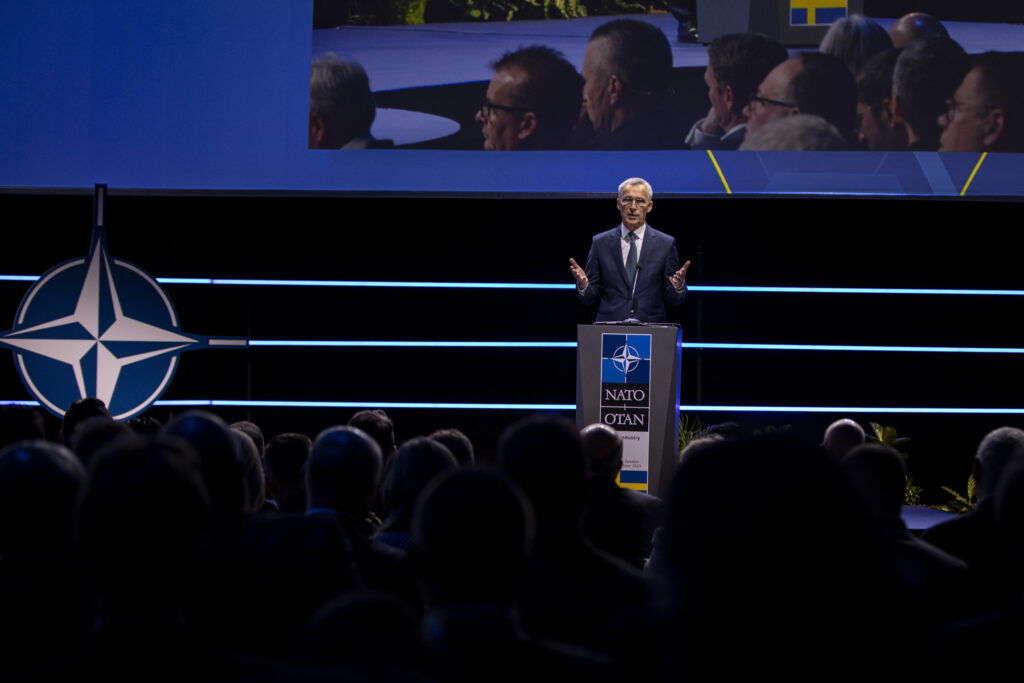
pixel 592 294
pixel 672 297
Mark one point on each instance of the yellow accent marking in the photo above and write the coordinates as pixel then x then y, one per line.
pixel 971 177
pixel 721 175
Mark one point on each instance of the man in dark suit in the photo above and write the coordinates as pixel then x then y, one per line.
pixel 632 270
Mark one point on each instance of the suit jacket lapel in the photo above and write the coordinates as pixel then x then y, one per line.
pixel 615 243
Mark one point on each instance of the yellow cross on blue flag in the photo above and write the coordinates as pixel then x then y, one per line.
pixel 815 12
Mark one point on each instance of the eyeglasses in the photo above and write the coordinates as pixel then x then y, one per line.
pixel 639 202
pixel 764 101
pixel 486 107
pixel 952 106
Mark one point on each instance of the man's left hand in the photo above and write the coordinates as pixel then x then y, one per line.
pixel 678 278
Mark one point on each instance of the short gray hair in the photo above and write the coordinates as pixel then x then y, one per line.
pixel 339 91
pixel 630 182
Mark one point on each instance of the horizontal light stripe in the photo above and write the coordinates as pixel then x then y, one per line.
pixel 568 406
pixel 553 286
pixel 685 345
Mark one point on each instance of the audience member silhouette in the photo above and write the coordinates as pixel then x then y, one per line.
pixel 841 437
pixel 415 464
pixel 617 520
pixel 911 27
pixel 458 443
pixel 341 106
pixel 285 456
pixel 77 412
pixel 572 591
pixel 20 423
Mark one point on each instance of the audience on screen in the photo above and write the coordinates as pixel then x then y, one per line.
pixel 927 73
pixel 737 63
pixel 910 27
pixel 855 39
pixel 532 101
pixel 876 129
pixel 985 112
pixel 341 106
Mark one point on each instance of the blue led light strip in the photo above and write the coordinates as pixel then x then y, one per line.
pixel 572 345
pixel 548 285
pixel 566 406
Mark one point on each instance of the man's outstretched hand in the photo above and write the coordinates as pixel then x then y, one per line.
pixel 581 277
pixel 678 278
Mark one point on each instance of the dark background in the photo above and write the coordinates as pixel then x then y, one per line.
pixel 732 241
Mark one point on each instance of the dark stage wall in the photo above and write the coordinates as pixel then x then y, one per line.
pixel 759 242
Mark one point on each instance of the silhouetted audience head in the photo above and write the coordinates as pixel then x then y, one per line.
pixel 841 436
pixel 879 474
pixel 285 458
pixel 473 532
pixel 854 40
pixel 986 111
pixel 458 443
pixel 875 126
pixel 93 434
pixel 381 429
pixel 810 83
pixel 765 527
pixel 143 525
pixel 39 483
pixel 416 463
pixel 737 63
pixel 219 461
pixel 78 411
pixel 253 431
pixel 627 71
pixel 927 73
pixel 343 471
pixel 602 449
pixel 915 25
pixel 20 423
pixel 997 451
pixel 532 101
pixel 797 133
pixel 544 456
pixel 341 107
pixel 252 471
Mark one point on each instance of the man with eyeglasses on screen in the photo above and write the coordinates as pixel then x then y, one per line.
pixel 810 83
pixel 986 113
pixel 632 270
pixel 532 101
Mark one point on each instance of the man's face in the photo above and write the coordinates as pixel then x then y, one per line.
pixel 717 98
pixel 501 128
pixel 964 125
pixel 595 86
pixel 773 87
pixel 873 131
pixel 634 204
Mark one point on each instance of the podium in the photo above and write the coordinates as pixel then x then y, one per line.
pixel 791 22
pixel 627 377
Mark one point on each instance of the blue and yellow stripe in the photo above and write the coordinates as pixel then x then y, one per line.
pixel 816 12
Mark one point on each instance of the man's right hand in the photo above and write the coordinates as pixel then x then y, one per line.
pixel 579 275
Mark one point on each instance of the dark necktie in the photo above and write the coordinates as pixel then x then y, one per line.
pixel 631 260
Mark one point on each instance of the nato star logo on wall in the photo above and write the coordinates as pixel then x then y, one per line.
pixel 100 327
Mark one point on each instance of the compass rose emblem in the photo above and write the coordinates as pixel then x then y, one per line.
pixel 100 327
pixel 626 359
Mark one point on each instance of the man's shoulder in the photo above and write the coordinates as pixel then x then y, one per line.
pixel 612 234
pixel 658 236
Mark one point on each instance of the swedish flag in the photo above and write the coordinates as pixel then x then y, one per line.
pixel 816 12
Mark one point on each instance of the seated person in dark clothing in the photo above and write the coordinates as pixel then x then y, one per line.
pixel 627 74
pixel 927 73
pixel 341 106
pixel 737 63
pixel 572 591
pixel 617 520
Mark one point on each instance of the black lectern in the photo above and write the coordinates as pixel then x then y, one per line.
pixel 627 377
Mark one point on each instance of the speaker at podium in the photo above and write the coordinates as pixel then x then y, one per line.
pixel 794 23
